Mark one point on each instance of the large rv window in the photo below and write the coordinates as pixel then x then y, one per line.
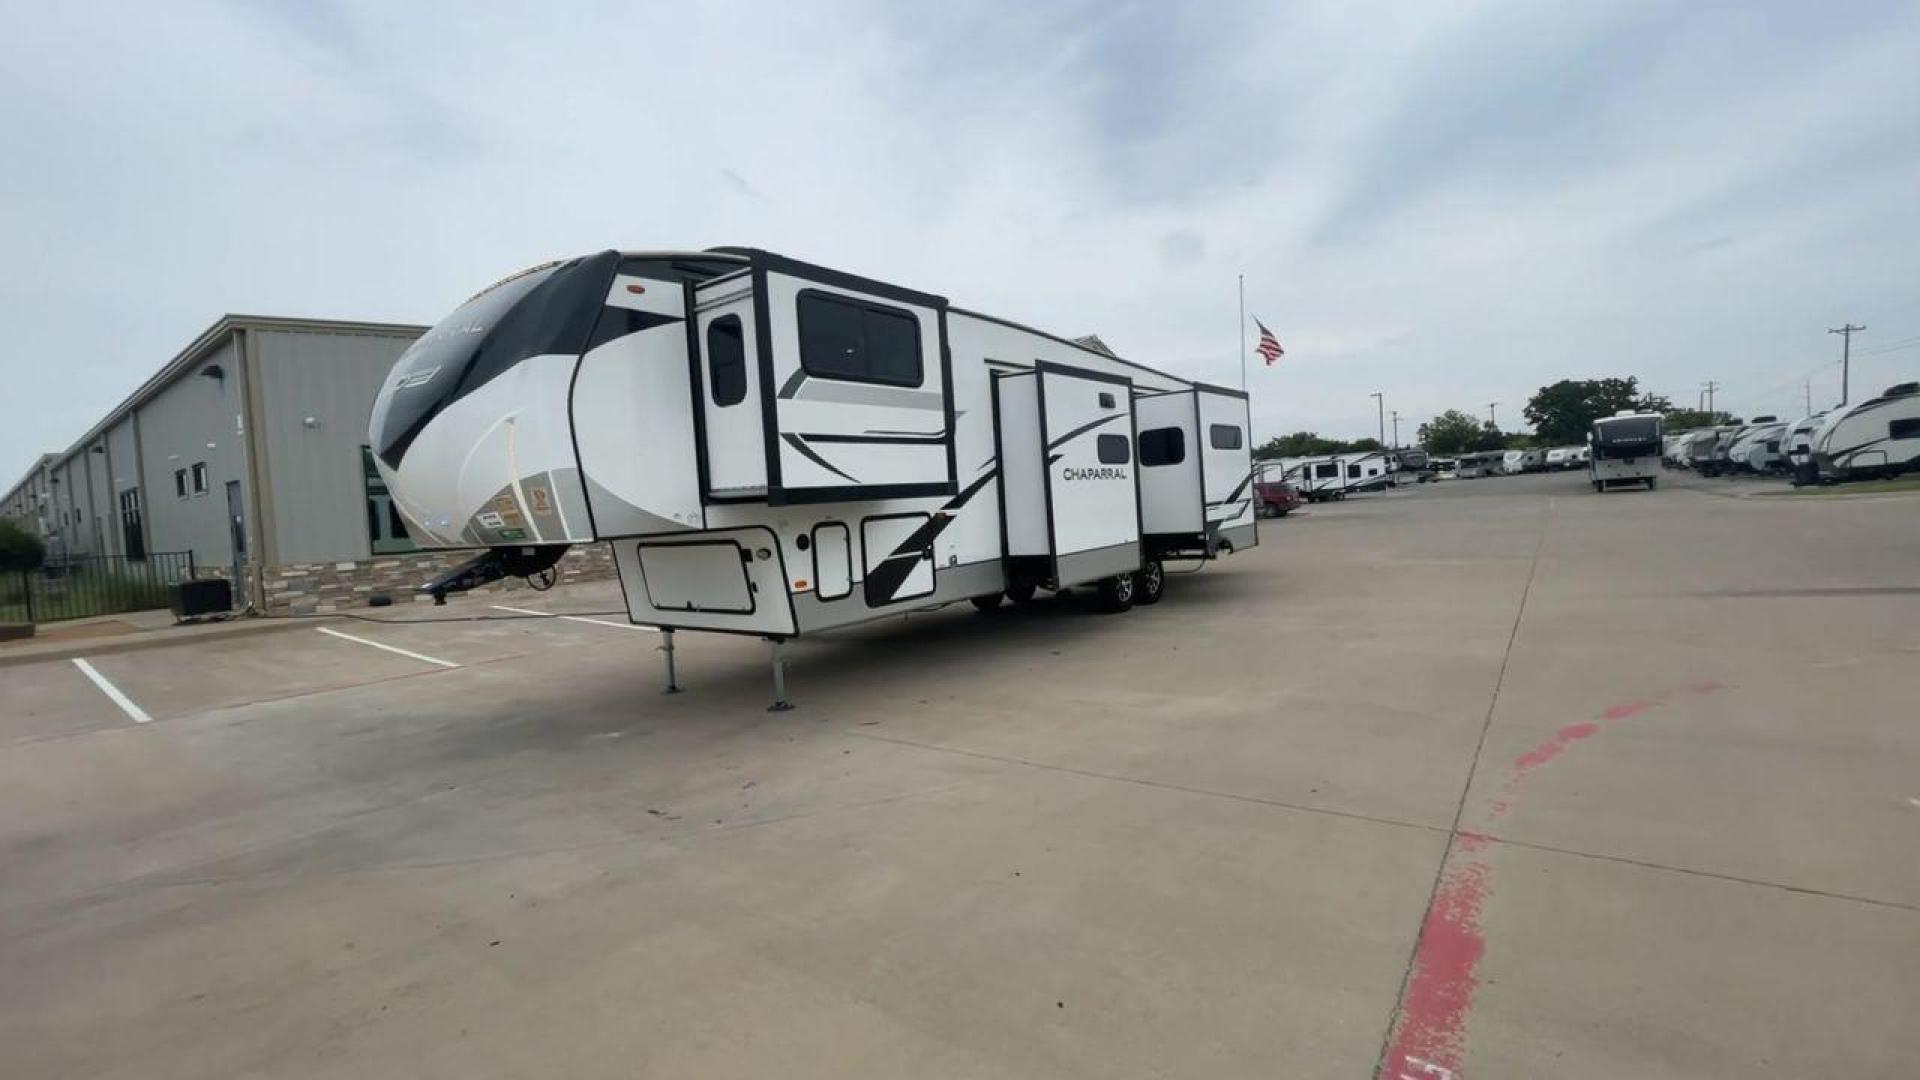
pixel 1353 470
pixel 1326 469
pixel 1908 428
pixel 1163 446
pixel 726 361
pixel 1112 449
pixel 1224 437
pixel 857 341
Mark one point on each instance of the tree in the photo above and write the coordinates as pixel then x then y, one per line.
pixel 19 549
pixel 1365 444
pixel 1563 412
pixel 1298 444
pixel 1682 419
pixel 1452 432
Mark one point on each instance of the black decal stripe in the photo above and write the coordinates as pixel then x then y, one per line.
pixel 1084 428
pixel 807 452
pixel 1238 488
pixel 618 322
pixel 880 440
pixel 971 490
pixel 906 556
pixel 792 385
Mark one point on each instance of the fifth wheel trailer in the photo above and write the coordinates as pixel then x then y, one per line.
pixel 1877 437
pixel 776 448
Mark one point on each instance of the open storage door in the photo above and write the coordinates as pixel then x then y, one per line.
pixel 1226 467
pixel 1092 481
pixel 856 386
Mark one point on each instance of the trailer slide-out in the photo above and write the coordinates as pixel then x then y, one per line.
pixel 775 448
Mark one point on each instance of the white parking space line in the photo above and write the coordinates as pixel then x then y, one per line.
pixel 576 618
pixel 138 715
pixel 389 648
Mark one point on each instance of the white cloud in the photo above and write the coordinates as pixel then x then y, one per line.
pixel 1450 203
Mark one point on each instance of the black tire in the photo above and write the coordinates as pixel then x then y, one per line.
pixel 1116 594
pixel 1149 583
pixel 1652 482
pixel 986 603
pixel 1021 593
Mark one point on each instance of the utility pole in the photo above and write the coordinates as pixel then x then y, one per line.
pixel 1491 422
pixel 1846 354
pixel 1711 386
pixel 1381 400
pixel 1396 428
pixel 1809 397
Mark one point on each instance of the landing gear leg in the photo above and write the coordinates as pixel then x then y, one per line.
pixel 666 646
pixel 780 703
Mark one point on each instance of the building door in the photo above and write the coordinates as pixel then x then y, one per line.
pixel 237 525
pixel 132 534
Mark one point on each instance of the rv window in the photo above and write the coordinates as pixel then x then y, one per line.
pixel 726 361
pixel 1908 428
pixel 1353 470
pixel 180 482
pixel 1224 437
pixel 857 341
pixel 1326 469
pixel 199 478
pixel 1163 446
pixel 1112 449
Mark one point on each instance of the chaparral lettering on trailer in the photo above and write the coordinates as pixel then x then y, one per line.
pixel 1105 473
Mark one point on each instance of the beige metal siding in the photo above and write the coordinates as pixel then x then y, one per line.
pixel 193 420
pixel 316 391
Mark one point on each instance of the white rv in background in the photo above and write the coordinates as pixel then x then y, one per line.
pixel 776 448
pixel 1798 446
pixel 1472 466
pixel 1757 449
pixel 1878 437
pixel 1626 449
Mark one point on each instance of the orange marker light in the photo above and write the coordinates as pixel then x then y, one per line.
pixel 636 289
pixel 800 585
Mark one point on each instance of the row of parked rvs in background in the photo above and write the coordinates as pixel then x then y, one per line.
pixel 1867 440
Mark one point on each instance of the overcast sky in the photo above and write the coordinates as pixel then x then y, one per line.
pixel 1453 203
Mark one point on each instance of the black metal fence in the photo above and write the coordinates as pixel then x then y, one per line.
pixel 74 587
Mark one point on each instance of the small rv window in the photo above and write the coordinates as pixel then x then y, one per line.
pixel 1353 470
pixel 1112 449
pixel 726 361
pixel 1908 428
pixel 1224 437
pixel 1163 446
pixel 841 338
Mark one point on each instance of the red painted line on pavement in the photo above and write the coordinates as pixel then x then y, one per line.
pixel 1430 1034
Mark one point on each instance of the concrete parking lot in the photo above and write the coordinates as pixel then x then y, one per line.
pixel 1493 778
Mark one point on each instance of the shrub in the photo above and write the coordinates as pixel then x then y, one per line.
pixel 19 549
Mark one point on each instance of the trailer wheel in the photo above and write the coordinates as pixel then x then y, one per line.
pixel 1652 482
pixel 1149 583
pixel 985 603
pixel 1116 594
pixel 1021 593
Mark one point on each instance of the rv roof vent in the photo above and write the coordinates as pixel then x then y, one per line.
pixel 1765 419
pixel 1902 390
pixel 1624 412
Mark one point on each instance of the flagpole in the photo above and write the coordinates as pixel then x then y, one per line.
pixel 1242 341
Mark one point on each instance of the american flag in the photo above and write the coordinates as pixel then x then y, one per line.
pixel 1269 346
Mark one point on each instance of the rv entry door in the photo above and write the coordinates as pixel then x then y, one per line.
pixel 733 437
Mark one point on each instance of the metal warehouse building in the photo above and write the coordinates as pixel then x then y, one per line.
pixel 248 450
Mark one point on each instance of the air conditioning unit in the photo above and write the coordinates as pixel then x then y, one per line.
pixel 204 596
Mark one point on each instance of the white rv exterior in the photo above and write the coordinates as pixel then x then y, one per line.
pixel 1758 448
pixel 1797 443
pixel 1878 437
pixel 1472 466
pixel 776 448
pixel 1626 449
pixel 1319 479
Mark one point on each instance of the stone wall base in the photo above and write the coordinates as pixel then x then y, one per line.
pixel 308 588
